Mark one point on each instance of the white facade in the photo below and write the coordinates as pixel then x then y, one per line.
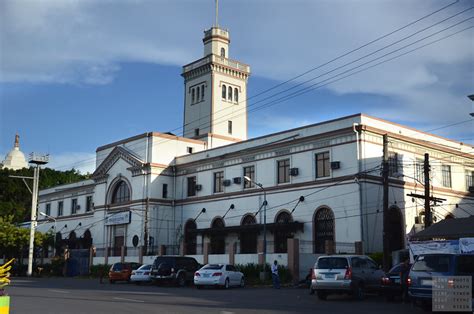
pixel 155 186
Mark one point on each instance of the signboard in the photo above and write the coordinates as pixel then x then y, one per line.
pixel 427 247
pixel 452 294
pixel 120 218
pixel 466 245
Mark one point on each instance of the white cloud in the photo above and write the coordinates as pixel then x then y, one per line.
pixel 84 42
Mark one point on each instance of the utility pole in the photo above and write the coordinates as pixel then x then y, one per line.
pixel 426 168
pixel 386 242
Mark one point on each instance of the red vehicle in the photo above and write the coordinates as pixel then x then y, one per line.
pixel 122 271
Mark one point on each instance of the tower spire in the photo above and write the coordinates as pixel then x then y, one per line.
pixel 17 140
pixel 217 13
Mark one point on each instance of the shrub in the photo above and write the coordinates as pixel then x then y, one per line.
pixel 377 257
pixel 100 269
pixel 252 273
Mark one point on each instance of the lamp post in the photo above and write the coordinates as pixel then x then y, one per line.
pixel 264 223
pixel 54 219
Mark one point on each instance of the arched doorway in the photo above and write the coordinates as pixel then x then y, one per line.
pixel 282 233
pixel 217 238
pixel 323 229
pixel 87 240
pixel 248 239
pixel 395 228
pixel 190 238
pixel 72 240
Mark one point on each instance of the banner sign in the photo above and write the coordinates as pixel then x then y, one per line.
pixel 120 218
pixel 466 245
pixel 427 247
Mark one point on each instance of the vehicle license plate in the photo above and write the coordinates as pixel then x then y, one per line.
pixel 206 275
pixel 328 276
pixel 396 280
pixel 427 282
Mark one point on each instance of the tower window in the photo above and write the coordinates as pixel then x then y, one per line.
pixel 196 132
pixel 190 150
pixel 229 127
pixel 230 93
pixel 224 91
pixel 236 95
pixel 192 96
pixel 222 52
pixel 202 92
pixel 198 94
pixel 165 190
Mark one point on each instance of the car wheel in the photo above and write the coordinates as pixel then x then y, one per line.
pixel 358 292
pixel 198 286
pixel 112 281
pixel 181 281
pixel 242 282
pixel 226 284
pixel 390 298
pixel 322 295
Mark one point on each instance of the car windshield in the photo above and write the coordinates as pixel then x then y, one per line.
pixel 432 263
pixel 145 267
pixel 212 267
pixel 332 263
pixel 117 267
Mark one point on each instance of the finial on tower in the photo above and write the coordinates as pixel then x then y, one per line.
pixel 217 13
pixel 17 140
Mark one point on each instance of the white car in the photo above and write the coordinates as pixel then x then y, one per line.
pixel 142 274
pixel 224 275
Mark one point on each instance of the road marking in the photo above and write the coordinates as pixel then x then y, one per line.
pixel 58 291
pixel 226 312
pixel 125 299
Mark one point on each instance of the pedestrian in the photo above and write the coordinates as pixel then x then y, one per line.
pixel 275 276
pixel 404 271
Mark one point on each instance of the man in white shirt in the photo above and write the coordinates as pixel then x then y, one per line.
pixel 275 276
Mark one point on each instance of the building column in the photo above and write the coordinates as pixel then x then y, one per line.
pixel 182 247
pixel 294 259
pixel 231 249
pixel 106 255
pixel 162 249
pixel 122 253
pixel 205 253
pixel 91 258
pixel 140 254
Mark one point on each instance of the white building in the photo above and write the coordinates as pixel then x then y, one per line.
pixel 15 159
pixel 321 181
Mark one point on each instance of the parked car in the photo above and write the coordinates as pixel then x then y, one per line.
pixel 349 274
pixel 175 269
pixel 142 274
pixel 122 271
pixel 223 275
pixel 426 266
pixel 392 281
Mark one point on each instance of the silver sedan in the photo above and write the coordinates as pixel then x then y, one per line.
pixel 223 275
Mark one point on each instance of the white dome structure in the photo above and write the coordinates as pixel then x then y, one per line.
pixel 15 159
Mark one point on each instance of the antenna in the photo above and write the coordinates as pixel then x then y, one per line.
pixel 217 13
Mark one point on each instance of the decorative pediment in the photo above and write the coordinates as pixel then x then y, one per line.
pixel 136 164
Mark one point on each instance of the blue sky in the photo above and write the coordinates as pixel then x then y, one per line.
pixel 79 74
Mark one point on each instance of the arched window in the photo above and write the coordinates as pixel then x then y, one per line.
pixel 223 52
pixel 87 239
pixel 230 93
pixel 190 239
pixel 236 95
pixel 72 240
pixel 218 237
pixel 281 232
pixel 224 91
pixel 192 96
pixel 121 193
pixel 198 93
pixel 202 92
pixel 248 239
pixel 323 229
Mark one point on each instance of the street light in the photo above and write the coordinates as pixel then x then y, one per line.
pixel 55 230
pixel 264 224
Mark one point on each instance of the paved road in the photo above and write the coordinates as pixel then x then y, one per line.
pixel 87 296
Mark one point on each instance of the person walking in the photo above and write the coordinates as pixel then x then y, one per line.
pixel 405 270
pixel 275 276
